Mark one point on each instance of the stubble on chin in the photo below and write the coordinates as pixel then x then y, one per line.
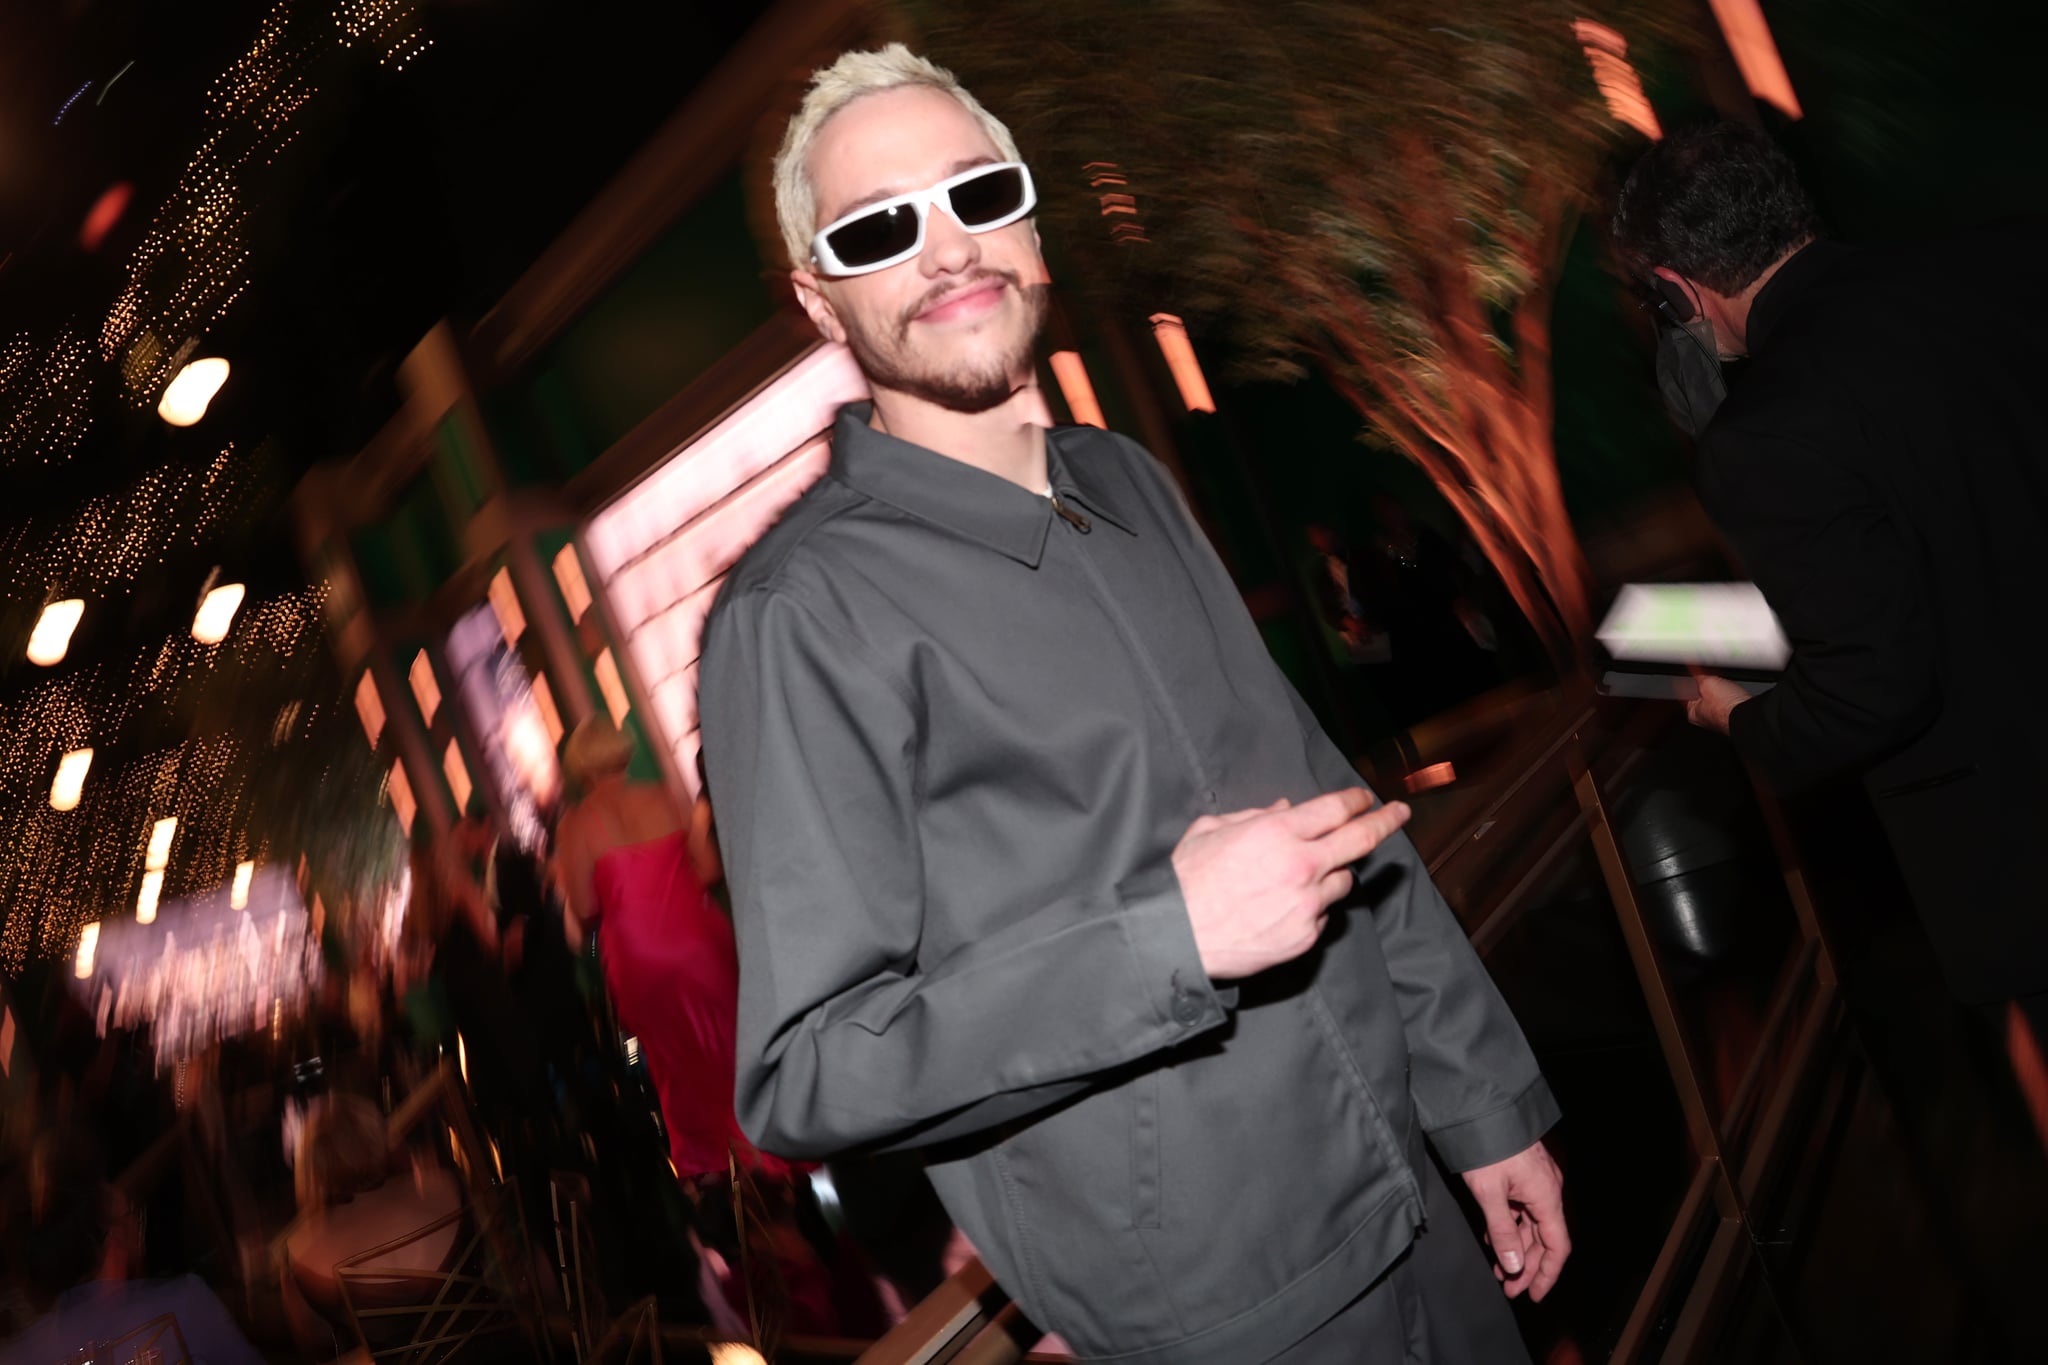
pixel 959 387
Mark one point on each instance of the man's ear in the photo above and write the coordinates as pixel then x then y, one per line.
pixel 810 292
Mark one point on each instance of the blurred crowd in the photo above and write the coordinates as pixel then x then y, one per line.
pixel 527 1088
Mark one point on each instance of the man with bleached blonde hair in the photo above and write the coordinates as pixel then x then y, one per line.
pixel 1040 866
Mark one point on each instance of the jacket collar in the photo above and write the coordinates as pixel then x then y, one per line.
pixel 1772 301
pixel 957 496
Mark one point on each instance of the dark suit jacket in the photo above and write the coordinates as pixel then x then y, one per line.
pixel 1882 470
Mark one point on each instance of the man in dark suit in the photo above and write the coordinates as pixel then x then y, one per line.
pixel 1881 467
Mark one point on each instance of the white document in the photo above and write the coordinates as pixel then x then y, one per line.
pixel 1721 625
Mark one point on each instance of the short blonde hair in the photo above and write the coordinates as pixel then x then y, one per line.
pixel 834 87
pixel 596 748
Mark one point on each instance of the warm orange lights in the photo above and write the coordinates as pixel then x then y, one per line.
pixel 425 690
pixel 1172 335
pixel 158 855
pixel 1619 84
pixel 544 702
pixel 145 904
pixel 51 638
pixel 612 686
pixel 504 599
pixel 238 893
pixel 69 785
pixel 217 612
pixel 569 577
pixel 1756 53
pixel 88 949
pixel 457 772
pixel 370 707
pixel 402 801
pixel 185 401
pixel 1076 387
pixel 1431 777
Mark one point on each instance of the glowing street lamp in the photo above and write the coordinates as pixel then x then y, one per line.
pixel 160 836
pixel 216 613
pixel 70 783
pixel 184 402
pixel 238 895
pixel 145 904
pixel 52 635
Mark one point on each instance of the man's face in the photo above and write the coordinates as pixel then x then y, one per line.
pixel 954 324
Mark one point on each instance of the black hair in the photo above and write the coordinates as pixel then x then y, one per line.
pixel 1718 203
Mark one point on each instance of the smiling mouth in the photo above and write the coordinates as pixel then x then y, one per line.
pixel 975 298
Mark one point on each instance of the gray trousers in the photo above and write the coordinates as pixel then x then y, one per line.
pixel 1438 1305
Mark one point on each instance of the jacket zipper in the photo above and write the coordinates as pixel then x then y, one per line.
pixel 1077 520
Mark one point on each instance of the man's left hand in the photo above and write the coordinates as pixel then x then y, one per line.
pixel 1717 700
pixel 1522 1200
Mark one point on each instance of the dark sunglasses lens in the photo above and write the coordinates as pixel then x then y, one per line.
pixel 875 236
pixel 988 197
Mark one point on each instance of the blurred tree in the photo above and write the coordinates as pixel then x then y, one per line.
pixel 1382 191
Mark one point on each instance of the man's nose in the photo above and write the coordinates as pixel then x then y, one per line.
pixel 948 248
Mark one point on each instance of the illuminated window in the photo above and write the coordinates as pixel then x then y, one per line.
pixel 458 775
pixel 402 801
pixel 425 690
pixel 370 707
pixel 1172 336
pixel 569 577
pixel 612 685
pixel 1756 53
pixel 1076 388
pixel 1619 84
pixel 505 606
pixel 660 551
pixel 544 702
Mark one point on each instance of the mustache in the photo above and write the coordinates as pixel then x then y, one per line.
pixel 943 293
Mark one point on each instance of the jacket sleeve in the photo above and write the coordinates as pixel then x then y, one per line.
pixel 1478 1091
pixel 845 1038
pixel 1846 586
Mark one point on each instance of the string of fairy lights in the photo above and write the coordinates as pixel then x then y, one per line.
pixel 235 739
pixel 79 865
pixel 109 542
pixel 196 259
pixel 46 398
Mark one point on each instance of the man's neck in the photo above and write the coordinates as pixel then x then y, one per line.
pixel 1003 441
pixel 1739 306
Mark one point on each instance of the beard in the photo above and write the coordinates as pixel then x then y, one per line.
pixel 887 358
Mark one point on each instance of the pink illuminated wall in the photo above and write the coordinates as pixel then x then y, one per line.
pixel 662 549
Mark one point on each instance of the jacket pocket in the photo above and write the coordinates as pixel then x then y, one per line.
pixel 1145 1175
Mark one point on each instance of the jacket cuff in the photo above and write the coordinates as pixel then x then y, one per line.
pixel 1169 965
pixel 1499 1133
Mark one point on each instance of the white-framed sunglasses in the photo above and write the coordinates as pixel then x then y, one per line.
pixel 877 236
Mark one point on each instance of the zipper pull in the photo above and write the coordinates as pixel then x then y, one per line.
pixel 1075 519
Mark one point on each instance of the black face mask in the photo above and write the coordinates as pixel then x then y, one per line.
pixel 1689 374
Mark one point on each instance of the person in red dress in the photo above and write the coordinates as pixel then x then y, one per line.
pixel 634 864
pixel 637 868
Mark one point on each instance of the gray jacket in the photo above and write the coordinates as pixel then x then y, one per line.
pixel 954 732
